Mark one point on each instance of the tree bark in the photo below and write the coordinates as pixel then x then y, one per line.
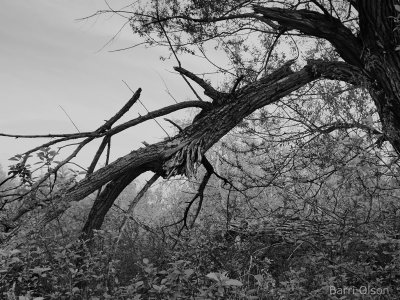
pixel 381 61
pixel 105 200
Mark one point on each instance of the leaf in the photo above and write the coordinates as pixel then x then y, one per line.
pixel 15 251
pixel 213 276
pixel 15 260
pixel 157 287
pixel 146 261
pixel 252 291
pixel 189 272
pixel 397 48
pixel 221 290
pixel 39 271
pixel 259 279
pixel 233 282
pixel 138 284
pixel 397 7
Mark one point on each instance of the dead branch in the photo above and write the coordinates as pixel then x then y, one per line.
pixel 208 89
pixel 174 124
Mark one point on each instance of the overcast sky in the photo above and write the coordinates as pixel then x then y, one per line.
pixel 49 59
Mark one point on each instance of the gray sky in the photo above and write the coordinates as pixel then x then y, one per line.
pixel 48 59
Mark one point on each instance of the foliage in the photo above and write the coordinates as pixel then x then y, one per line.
pixel 281 261
pixel 52 270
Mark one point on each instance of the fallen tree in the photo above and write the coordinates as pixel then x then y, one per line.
pixel 369 59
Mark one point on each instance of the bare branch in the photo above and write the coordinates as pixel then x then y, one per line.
pixel 99 152
pixel 159 125
pixel 174 124
pixel 73 123
pixel 322 8
pixel 121 112
pixel 315 24
pixel 340 125
pixel 208 89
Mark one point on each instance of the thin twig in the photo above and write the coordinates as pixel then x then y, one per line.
pixel 69 118
pixel 148 111
pixel 176 56
pixel 174 124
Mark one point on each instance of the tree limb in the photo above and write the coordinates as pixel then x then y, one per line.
pixel 208 89
pixel 318 25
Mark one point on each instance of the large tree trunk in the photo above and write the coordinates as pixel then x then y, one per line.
pixel 381 61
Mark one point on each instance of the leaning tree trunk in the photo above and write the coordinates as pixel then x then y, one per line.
pixel 180 155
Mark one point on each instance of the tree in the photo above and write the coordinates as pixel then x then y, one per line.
pixel 354 44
